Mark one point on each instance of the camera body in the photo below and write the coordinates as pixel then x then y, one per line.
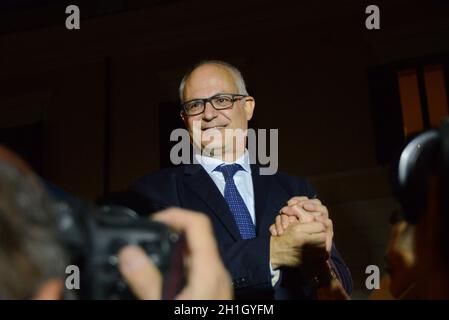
pixel 93 236
pixel 425 155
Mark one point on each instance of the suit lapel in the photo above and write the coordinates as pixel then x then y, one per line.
pixel 262 186
pixel 197 179
pixel 269 198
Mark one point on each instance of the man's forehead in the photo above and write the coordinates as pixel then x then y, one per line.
pixel 209 79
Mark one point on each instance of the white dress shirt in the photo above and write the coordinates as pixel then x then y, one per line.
pixel 242 178
pixel 244 183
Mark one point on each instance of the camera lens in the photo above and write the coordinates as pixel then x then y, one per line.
pixel 115 245
pixel 151 246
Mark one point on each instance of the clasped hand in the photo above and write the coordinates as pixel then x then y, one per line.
pixel 302 233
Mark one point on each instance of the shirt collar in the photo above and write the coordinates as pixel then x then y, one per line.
pixel 210 163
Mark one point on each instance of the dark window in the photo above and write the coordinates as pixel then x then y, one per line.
pixel 407 98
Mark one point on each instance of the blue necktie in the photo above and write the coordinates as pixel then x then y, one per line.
pixel 235 201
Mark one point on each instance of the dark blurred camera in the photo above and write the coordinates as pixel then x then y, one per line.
pixel 425 155
pixel 93 236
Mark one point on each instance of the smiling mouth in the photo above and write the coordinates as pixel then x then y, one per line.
pixel 216 127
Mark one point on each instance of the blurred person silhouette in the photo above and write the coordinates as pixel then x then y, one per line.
pixel 399 282
pixel 33 260
pixel 418 251
pixel 423 189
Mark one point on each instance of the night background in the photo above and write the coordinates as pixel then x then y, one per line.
pixel 92 109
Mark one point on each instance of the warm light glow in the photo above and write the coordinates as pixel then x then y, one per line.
pixel 436 94
pixel 410 101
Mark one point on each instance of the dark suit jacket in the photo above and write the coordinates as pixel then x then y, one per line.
pixel 190 187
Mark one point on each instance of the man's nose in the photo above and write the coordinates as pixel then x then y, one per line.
pixel 209 111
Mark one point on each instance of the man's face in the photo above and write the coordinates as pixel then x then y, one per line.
pixel 214 125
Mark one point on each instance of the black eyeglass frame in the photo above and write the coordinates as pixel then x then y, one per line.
pixel 235 97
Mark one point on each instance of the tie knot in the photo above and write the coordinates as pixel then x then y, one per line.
pixel 228 170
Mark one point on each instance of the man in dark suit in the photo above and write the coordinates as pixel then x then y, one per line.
pixel 241 202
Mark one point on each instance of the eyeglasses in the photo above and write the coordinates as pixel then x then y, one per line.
pixel 219 102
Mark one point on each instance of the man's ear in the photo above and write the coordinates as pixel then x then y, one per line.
pixel 50 290
pixel 249 106
pixel 184 118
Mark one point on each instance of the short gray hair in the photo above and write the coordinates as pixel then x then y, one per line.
pixel 238 78
pixel 30 252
